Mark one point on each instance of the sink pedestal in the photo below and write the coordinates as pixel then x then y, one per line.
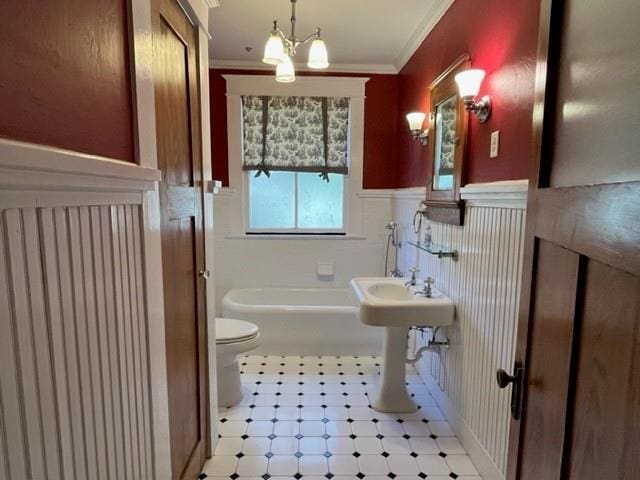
pixel 393 396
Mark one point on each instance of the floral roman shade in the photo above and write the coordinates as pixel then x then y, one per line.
pixel 300 134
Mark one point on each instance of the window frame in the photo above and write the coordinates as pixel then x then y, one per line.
pixel 295 230
pixel 238 85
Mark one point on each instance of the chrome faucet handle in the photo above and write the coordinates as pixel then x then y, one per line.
pixel 412 281
pixel 427 286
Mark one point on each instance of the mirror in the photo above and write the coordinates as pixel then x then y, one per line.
pixel 448 126
pixel 445 147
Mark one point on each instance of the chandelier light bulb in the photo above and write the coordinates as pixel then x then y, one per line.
pixel 318 58
pixel 280 49
pixel 274 50
pixel 285 72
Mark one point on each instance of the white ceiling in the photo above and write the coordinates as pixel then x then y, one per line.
pixel 361 35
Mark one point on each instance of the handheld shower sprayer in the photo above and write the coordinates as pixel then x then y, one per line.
pixel 392 239
pixel 393 226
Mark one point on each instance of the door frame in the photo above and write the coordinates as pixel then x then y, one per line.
pixel 529 250
pixel 141 66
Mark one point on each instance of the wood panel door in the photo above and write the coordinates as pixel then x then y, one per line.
pixel 179 158
pixel 578 349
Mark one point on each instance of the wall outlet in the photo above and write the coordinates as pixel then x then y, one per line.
pixel 495 144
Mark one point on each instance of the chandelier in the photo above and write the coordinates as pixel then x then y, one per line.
pixel 280 50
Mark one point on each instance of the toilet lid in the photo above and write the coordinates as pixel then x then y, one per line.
pixel 230 330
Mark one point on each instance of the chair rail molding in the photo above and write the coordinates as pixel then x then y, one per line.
pixel 504 194
pixel 411 193
pixel 28 166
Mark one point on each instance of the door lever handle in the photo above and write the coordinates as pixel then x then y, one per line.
pixel 504 379
pixel 205 274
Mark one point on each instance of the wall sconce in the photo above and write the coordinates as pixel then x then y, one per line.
pixel 469 85
pixel 416 119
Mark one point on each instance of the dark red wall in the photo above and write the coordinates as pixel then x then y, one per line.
pixel 380 121
pixel 501 38
pixel 64 75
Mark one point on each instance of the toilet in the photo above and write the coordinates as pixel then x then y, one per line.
pixel 233 338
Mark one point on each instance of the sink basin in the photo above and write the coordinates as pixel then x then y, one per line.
pixel 386 302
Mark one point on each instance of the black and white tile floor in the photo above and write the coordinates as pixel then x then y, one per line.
pixel 310 417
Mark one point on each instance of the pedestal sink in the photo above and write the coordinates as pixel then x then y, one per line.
pixel 387 302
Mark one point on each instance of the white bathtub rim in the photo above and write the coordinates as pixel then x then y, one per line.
pixel 230 303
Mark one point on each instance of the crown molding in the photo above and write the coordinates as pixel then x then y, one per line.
pixel 376 68
pixel 430 20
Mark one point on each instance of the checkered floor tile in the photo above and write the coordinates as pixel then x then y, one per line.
pixel 310 417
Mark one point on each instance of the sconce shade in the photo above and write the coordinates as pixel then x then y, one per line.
pixel 469 82
pixel 274 50
pixel 416 119
pixel 318 57
pixel 285 73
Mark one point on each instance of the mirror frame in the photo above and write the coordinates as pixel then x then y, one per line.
pixel 445 206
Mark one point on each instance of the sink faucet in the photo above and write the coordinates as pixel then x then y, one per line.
pixel 426 289
pixel 412 281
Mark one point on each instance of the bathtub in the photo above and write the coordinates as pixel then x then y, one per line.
pixel 304 321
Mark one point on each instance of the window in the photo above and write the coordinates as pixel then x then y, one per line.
pixel 295 152
pixel 296 202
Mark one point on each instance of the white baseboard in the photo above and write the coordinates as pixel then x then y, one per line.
pixel 479 456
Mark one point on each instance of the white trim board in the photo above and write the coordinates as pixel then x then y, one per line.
pixel 352 87
pixel 376 193
pixel 37 167
pixel 410 193
pixel 504 194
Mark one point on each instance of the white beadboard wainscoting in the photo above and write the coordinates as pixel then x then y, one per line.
pixel 485 286
pixel 73 329
pixel 83 380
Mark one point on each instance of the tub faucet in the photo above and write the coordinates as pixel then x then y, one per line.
pixel 412 280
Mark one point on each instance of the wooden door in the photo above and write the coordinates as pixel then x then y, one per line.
pixel 579 328
pixel 179 158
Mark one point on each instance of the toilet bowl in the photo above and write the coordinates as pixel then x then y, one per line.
pixel 233 338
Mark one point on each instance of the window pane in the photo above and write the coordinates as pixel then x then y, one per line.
pixel 272 201
pixel 319 202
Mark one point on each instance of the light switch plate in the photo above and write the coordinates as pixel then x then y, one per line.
pixel 495 144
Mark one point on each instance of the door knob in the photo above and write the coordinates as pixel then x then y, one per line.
pixel 504 379
pixel 205 274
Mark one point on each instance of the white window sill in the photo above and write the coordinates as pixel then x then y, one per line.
pixel 258 236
